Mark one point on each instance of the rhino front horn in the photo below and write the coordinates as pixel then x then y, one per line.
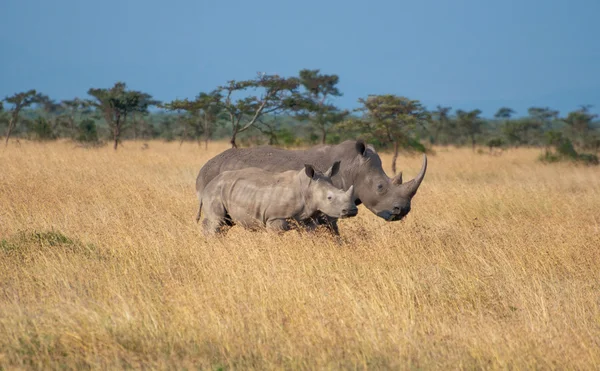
pixel 410 187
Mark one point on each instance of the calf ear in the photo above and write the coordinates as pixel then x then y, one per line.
pixel 310 171
pixel 361 147
pixel 334 169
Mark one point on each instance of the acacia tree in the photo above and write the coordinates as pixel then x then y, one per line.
pixel 116 104
pixel 144 101
pixel 470 123
pixel 544 116
pixel 202 116
pixel 72 110
pixel 540 118
pixel 504 113
pixel 312 104
pixel 243 113
pixel 440 121
pixel 53 112
pixel 19 101
pixel 390 119
pixel 580 127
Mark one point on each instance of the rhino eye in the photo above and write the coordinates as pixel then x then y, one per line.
pixel 379 187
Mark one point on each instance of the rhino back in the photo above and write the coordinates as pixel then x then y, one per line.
pixel 275 159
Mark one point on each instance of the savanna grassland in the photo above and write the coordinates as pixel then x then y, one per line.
pixel 103 266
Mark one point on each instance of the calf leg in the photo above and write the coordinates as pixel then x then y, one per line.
pixel 329 223
pixel 278 225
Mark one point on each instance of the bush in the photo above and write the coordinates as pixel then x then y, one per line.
pixel 287 137
pixel 565 151
pixel 495 143
pixel 588 159
pixel 565 148
pixel 88 132
pixel 42 129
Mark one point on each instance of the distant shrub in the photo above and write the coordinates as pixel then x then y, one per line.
pixel 87 131
pixel 42 129
pixel 26 244
pixel 495 143
pixel 565 148
pixel 588 159
pixel 565 151
pixel 287 138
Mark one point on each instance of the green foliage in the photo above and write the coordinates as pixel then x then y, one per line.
pixel 495 143
pixel 441 124
pixel 87 131
pixel 42 129
pixel 312 103
pixel 565 151
pixel 26 244
pixel 470 123
pixel 287 138
pixel 19 101
pixel 504 113
pixel 200 116
pixel 588 159
pixel 289 111
pixel 244 113
pixel 117 103
pixel 580 127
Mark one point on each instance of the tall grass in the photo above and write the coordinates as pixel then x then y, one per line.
pixel 102 266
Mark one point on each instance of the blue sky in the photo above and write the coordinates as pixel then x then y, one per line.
pixel 463 53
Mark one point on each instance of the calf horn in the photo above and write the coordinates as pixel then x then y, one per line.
pixel 410 187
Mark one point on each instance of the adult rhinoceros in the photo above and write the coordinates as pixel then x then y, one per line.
pixel 386 197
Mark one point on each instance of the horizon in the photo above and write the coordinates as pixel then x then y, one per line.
pixel 466 55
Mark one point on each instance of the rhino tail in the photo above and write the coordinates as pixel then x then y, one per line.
pixel 199 212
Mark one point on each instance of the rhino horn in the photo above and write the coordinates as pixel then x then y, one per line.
pixel 397 179
pixel 350 190
pixel 410 187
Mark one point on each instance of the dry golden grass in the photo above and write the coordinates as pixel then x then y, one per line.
pixel 496 267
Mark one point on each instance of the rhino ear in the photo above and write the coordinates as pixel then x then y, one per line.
pixel 310 171
pixel 397 179
pixel 361 147
pixel 333 170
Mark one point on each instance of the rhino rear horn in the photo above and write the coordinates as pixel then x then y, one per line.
pixel 410 187
pixel 397 179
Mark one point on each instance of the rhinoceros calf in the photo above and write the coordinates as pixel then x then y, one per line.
pixel 256 198
pixel 388 198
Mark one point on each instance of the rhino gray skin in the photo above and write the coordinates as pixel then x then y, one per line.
pixel 385 197
pixel 255 198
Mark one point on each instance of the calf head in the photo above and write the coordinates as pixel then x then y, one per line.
pixel 321 195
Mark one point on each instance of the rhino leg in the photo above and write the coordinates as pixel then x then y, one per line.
pixel 329 223
pixel 278 225
pixel 216 219
pixel 332 226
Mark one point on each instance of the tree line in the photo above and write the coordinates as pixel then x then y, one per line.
pixel 291 111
